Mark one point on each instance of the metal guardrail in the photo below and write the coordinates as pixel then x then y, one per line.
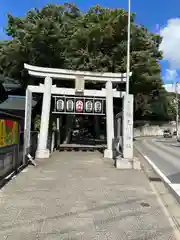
pixel 11 157
pixel 10 160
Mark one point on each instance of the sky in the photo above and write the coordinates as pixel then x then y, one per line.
pixel 157 15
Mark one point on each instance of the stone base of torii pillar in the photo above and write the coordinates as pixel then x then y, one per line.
pixel 108 153
pixel 124 163
pixel 42 153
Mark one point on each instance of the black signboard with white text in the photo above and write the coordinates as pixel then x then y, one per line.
pixel 79 105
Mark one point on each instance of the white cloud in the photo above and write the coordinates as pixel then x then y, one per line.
pixel 171 88
pixel 171 75
pixel 170 44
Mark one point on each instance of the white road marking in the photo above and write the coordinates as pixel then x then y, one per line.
pixel 176 188
pixel 156 169
pixel 164 153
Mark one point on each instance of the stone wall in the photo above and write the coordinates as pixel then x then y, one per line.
pixel 152 130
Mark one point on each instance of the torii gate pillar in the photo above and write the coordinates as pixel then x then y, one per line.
pixel 108 153
pixel 42 150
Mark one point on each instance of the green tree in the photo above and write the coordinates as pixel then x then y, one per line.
pixel 61 36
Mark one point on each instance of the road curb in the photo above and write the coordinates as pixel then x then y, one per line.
pixel 162 176
pixel 157 170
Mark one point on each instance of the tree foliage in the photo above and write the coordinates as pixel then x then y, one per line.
pixel 61 36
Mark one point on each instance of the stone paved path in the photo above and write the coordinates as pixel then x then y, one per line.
pixel 77 196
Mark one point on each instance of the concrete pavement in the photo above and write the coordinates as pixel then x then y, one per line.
pixel 79 195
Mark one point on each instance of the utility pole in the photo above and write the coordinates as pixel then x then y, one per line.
pixel 128 46
pixel 177 110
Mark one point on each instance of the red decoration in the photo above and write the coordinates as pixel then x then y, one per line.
pixel 79 106
pixel 9 125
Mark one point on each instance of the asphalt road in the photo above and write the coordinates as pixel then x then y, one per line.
pixel 164 153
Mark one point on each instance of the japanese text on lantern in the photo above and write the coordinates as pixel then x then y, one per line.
pixel 9 132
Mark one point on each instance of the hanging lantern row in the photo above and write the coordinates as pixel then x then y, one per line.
pixel 79 105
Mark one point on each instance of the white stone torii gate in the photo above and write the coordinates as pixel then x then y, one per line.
pixel 79 76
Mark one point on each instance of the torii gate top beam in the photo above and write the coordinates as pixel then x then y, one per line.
pixel 75 74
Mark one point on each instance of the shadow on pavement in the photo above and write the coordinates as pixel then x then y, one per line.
pixel 133 212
